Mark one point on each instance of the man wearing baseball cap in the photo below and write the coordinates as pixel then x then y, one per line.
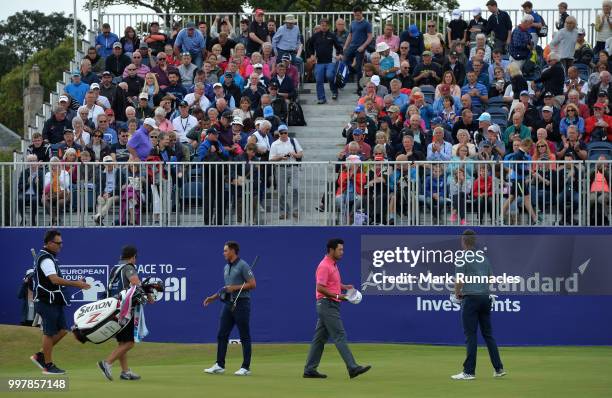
pixel 190 40
pixel 117 61
pixel 457 28
pixel 427 72
pixel 140 145
pixel 77 89
pixel 211 150
pixel 288 150
pixel 258 32
pixel 549 123
pixel 584 52
pixel 64 102
pixel 476 25
pixel 496 150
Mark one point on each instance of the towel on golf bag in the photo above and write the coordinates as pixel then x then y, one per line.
pixel 126 306
pixel 140 326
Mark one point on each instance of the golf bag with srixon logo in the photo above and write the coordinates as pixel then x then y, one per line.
pixel 99 321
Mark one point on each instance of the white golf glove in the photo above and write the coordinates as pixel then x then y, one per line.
pixel 454 299
pixel 493 298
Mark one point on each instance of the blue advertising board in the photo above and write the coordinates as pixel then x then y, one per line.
pixel 189 261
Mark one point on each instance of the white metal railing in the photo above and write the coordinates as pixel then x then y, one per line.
pixel 307 20
pixel 309 193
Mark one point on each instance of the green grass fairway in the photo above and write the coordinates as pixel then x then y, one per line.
pixel 175 371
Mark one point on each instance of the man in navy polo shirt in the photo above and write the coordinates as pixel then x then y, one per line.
pixel 360 36
pixel 238 278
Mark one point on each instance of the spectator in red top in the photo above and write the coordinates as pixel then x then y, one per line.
pixel 329 294
pixel 599 126
pixel 482 193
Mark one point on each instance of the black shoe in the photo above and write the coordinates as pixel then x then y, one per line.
pixel 314 375
pixel 38 359
pixel 335 96
pixel 321 102
pixel 359 370
pixel 51 369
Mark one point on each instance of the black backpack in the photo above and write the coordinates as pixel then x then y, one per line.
pixel 295 115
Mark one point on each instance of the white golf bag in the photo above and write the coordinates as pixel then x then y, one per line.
pixel 99 321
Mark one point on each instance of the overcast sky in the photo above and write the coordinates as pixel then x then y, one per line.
pixel 10 7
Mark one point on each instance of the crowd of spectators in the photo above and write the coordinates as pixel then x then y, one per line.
pixel 482 89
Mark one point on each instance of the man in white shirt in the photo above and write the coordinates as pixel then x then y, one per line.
pixel 100 99
pixel 93 109
pixel 261 138
pixel 439 149
pixel 287 150
pixel 184 122
pixel 198 97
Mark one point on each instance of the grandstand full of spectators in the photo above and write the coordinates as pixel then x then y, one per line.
pixel 456 112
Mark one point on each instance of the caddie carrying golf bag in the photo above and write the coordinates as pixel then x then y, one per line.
pixel 99 321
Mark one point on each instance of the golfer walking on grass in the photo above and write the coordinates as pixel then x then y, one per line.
pixel 123 276
pixel 476 310
pixel 236 298
pixel 49 300
pixel 329 295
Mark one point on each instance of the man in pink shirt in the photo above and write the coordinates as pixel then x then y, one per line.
pixel 329 295
pixel 388 37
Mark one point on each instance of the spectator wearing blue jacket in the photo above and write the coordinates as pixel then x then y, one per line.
pixel 105 41
pixel 190 40
pixel 434 196
pixel 77 89
pixel 571 118
pixel 211 150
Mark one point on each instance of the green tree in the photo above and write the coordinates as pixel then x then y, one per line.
pixel 347 5
pixel 167 7
pixel 27 32
pixel 52 63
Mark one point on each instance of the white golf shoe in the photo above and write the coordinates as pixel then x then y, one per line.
pixel 215 370
pixel 463 376
pixel 499 373
pixel 242 372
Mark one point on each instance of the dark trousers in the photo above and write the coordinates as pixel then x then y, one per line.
pixel 476 310
pixel 329 325
pixel 239 317
pixel 351 54
pixel 485 206
pixel 459 204
pixel 27 206
pixel 214 195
